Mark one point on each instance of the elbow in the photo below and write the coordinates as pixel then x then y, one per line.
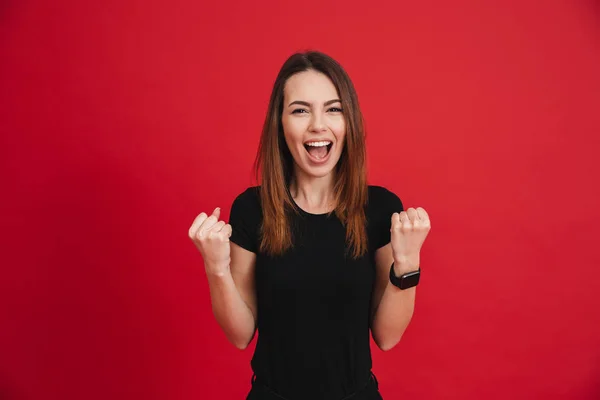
pixel 241 343
pixel 387 336
pixel 387 345
pixel 385 342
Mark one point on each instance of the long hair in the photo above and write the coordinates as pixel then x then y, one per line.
pixel 273 165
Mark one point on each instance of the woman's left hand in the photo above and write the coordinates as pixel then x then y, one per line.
pixel 409 230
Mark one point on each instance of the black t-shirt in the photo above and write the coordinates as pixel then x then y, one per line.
pixel 314 301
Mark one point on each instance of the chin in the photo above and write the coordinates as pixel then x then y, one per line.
pixel 318 171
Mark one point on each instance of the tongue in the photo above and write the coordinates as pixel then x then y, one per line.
pixel 318 152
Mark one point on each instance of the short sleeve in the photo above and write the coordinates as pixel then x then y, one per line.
pixel 382 204
pixel 244 218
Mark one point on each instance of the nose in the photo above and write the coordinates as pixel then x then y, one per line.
pixel 316 123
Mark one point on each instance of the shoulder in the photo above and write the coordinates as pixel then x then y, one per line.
pixel 247 205
pixel 249 197
pixel 382 199
pixel 382 204
pixel 245 219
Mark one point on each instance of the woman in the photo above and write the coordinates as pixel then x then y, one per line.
pixel 313 258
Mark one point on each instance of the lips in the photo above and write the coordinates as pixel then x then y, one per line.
pixel 317 160
pixel 307 146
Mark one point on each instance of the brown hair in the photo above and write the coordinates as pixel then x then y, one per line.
pixel 274 163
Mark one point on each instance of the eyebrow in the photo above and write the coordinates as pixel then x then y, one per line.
pixel 304 103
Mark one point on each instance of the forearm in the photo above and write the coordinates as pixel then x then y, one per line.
pixel 231 312
pixel 395 309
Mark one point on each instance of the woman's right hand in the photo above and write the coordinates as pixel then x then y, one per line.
pixel 211 238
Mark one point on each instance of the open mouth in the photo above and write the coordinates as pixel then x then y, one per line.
pixel 318 151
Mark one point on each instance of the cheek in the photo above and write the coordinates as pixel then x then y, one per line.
pixel 292 130
pixel 339 130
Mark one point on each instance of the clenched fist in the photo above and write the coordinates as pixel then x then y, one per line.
pixel 409 230
pixel 211 237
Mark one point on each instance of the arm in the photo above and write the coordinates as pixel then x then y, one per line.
pixel 233 296
pixel 392 308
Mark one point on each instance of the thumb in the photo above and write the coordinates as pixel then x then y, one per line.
pixel 217 212
pixel 395 220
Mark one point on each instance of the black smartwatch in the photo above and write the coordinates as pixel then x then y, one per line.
pixel 405 281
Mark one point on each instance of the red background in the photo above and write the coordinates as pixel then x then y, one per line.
pixel 122 120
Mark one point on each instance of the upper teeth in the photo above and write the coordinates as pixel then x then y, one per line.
pixel 318 144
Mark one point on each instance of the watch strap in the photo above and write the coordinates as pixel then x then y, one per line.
pixel 406 280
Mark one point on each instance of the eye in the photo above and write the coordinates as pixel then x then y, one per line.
pixel 299 111
pixel 335 109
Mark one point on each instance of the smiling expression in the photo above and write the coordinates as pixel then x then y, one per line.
pixel 313 123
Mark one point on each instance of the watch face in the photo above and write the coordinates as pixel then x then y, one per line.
pixel 409 280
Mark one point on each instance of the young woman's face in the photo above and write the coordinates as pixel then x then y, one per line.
pixel 313 123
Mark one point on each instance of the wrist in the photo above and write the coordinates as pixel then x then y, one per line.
pixel 220 274
pixel 403 265
pixel 218 280
pixel 217 270
pixel 405 277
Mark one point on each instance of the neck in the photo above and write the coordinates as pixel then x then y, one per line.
pixel 313 194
